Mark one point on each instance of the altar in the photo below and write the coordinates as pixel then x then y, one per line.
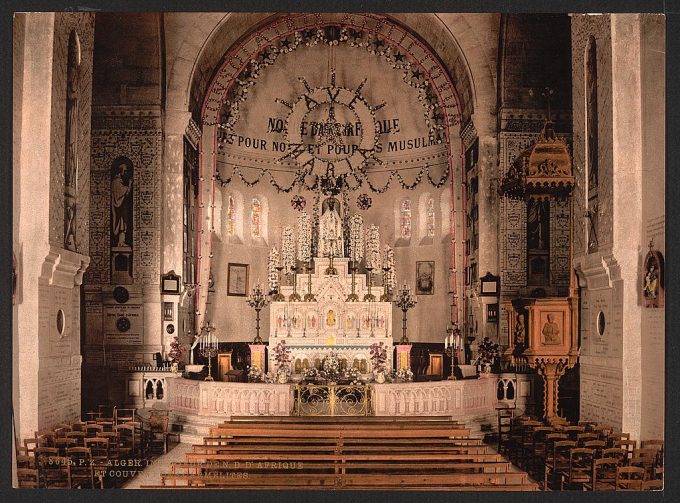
pixel 331 323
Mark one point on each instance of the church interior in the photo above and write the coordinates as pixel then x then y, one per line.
pixel 339 251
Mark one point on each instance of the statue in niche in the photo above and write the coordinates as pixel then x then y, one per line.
pixel 330 319
pixel 121 204
pixel 551 331
pixel 330 229
pixel 71 146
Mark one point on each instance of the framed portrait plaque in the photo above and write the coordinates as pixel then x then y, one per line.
pixel 237 280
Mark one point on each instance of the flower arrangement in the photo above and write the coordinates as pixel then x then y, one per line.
pixel 487 351
pixel 330 367
pixel 254 374
pixel 281 356
pixel 379 357
pixel 176 351
pixel 311 374
pixel 272 273
pixel 373 257
pixel 304 229
pixel 356 237
pixel 352 375
pixel 405 375
pixel 288 249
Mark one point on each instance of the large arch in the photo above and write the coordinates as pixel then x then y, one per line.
pixel 214 69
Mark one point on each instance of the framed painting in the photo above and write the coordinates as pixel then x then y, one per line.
pixel 425 277
pixel 237 280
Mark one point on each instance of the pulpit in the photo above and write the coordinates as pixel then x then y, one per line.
pixel 545 333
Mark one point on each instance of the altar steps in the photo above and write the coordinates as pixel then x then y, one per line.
pixel 432 453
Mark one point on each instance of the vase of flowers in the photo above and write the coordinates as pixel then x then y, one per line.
pixel 488 352
pixel 379 361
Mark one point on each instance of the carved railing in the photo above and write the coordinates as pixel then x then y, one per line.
pixel 332 400
pixel 229 399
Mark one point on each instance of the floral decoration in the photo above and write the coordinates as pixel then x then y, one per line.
pixel 272 272
pixel 304 228
pixel 298 202
pixel 487 351
pixel 356 237
pixel 379 356
pixel 364 202
pixel 288 249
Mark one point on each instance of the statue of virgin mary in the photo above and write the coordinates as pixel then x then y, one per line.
pixel 330 229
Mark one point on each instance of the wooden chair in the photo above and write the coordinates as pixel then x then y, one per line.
pixel 628 445
pixel 651 444
pixel 93 430
pixel 78 436
pixel 535 457
pixel 93 416
pixel 581 438
pixel 127 445
pixel 62 444
pixel 505 419
pixel 106 425
pixel 573 431
pixel 46 439
pixel 580 470
pixel 621 455
pixel 78 426
pixel 558 461
pixel 61 432
pixel 646 458
pixel 100 451
pixel 28 478
pixel 604 474
pixel 652 485
pixel 629 478
pixel 602 431
pixel 597 445
pixel 81 469
pixel 105 412
pixel 114 443
pixel 158 433
pixel 616 436
pixel 54 472
pixel 40 452
pixel 122 416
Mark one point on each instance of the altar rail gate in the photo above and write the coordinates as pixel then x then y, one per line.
pixel 332 400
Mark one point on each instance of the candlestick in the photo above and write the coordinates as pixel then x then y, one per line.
pixel 405 301
pixel 257 301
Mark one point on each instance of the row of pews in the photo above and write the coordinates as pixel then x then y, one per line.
pixel 344 453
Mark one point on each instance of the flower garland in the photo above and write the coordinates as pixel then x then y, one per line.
pixel 272 271
pixel 304 229
pixel 356 237
pixel 288 249
pixel 373 258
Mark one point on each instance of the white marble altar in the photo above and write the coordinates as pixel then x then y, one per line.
pixel 313 329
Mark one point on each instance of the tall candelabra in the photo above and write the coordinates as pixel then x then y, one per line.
pixel 309 296
pixel 452 345
pixel 257 300
pixel 278 296
pixel 387 288
pixel 369 297
pixel 209 347
pixel 405 300
pixel 294 297
pixel 353 297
